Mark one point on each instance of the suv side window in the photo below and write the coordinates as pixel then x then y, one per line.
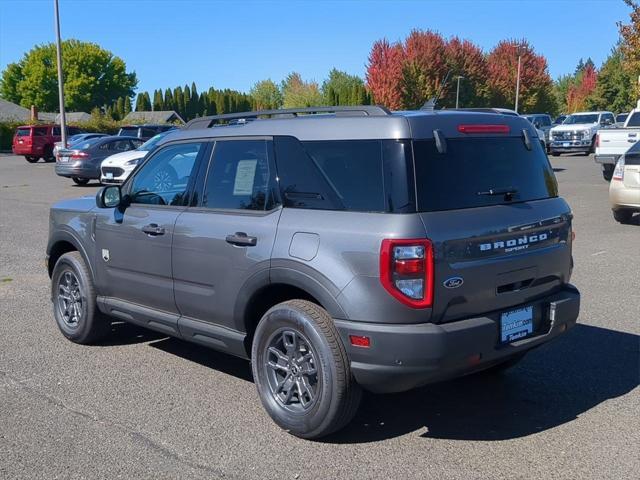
pixel 545 120
pixel 120 145
pixel 40 131
pixel 164 178
pixel 148 132
pixel 56 131
pixel 239 176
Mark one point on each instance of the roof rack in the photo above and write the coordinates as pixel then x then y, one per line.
pixel 500 111
pixel 359 110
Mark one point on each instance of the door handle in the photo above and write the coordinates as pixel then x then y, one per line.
pixel 153 229
pixel 241 239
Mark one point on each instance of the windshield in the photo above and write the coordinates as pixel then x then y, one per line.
pixel 84 145
pixel 152 142
pixel 577 119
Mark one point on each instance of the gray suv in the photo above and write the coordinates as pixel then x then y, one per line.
pixel 337 248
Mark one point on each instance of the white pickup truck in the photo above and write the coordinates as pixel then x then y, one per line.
pixel 613 142
pixel 578 132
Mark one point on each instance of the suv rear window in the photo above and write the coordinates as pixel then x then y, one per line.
pixel 128 132
pixel 634 121
pixel 471 167
pixel 23 132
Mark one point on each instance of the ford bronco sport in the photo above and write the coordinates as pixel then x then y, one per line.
pixel 337 248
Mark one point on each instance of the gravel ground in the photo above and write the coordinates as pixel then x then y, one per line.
pixel 144 406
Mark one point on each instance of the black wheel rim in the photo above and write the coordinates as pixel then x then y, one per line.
pixel 291 368
pixel 70 299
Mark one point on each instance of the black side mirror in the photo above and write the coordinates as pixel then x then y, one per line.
pixel 109 197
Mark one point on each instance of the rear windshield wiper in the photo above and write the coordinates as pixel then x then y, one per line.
pixel 507 192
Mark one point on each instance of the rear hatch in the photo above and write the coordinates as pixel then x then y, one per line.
pixel 501 235
pixel 22 139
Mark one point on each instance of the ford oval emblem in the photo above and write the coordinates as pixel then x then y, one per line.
pixel 453 282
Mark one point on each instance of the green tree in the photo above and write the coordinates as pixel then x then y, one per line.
pixel 266 95
pixel 298 93
pixel 614 89
pixel 168 100
pixel 178 101
pixel 93 76
pixel 127 106
pixel 120 108
pixel 143 102
pixel 186 100
pixel 158 101
pixel 344 89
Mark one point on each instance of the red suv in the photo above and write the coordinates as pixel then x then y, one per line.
pixel 37 141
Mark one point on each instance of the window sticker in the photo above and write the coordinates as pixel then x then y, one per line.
pixel 245 173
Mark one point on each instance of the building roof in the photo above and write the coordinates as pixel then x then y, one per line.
pixel 74 117
pixel 161 116
pixel 11 112
pixel 48 117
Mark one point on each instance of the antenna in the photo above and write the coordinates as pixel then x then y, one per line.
pixel 431 103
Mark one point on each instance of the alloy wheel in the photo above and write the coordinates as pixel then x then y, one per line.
pixel 70 301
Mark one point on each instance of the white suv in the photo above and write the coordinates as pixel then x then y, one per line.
pixel 117 168
pixel 578 132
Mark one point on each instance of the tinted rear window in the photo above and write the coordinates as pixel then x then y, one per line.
pixel 634 121
pixel 470 166
pixel 23 132
pixel 352 175
pixel 129 131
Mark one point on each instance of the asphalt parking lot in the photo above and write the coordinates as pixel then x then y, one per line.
pixel 145 406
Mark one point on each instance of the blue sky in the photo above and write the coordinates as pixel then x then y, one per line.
pixel 234 44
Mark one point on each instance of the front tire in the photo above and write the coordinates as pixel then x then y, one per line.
pixel 555 154
pixel 80 181
pixel 622 216
pixel 302 372
pixel 74 301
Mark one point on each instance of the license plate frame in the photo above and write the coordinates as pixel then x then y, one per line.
pixel 108 175
pixel 516 324
pixel 64 159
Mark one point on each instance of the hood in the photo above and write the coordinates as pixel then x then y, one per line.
pixel 573 127
pixel 119 159
pixel 82 204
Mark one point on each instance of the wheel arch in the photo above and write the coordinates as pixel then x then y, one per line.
pixel 63 242
pixel 284 284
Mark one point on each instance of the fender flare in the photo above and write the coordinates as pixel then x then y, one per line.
pixel 70 236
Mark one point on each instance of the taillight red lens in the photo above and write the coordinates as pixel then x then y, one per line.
pixel 597 140
pixel 360 341
pixel 483 128
pixel 79 155
pixel 406 270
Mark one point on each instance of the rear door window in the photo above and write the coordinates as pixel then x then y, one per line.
pixel 239 176
pixel 472 168
pixel 40 131
pixel 128 132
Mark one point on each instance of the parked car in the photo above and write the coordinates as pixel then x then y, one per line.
pixel 37 141
pixel 337 252
pixel 81 161
pixel 624 190
pixel 578 132
pixel 79 137
pixel 611 144
pixel 117 168
pixel 560 119
pixel 621 118
pixel 541 121
pixel 146 131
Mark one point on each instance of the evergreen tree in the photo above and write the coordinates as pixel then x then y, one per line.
pixel 120 108
pixel 168 100
pixel 178 100
pixel 186 100
pixel 127 106
pixel 158 101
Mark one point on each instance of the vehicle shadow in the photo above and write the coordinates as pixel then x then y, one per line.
pixel 558 169
pixel 552 386
pixel 207 357
pixel 123 333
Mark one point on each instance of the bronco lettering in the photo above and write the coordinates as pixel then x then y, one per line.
pixel 512 242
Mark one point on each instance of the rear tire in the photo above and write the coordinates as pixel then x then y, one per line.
pixel 607 172
pixel 48 155
pixel 80 181
pixel 301 370
pixel 74 301
pixel 555 154
pixel 31 158
pixel 622 216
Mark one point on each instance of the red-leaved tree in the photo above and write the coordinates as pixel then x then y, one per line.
pixel 583 87
pixel 424 67
pixel 384 74
pixel 535 83
pixel 465 59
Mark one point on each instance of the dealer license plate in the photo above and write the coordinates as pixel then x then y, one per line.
pixel 565 144
pixel 64 159
pixel 108 176
pixel 516 324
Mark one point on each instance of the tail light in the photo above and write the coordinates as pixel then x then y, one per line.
pixel 406 271
pixel 618 172
pixel 484 128
pixel 597 140
pixel 79 155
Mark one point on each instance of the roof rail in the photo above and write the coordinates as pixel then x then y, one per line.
pixel 359 110
pixel 500 111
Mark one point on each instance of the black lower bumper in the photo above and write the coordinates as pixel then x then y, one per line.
pixel 402 357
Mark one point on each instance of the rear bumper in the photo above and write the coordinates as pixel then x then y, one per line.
pixel 607 159
pixel 622 197
pixel 402 357
pixel 77 169
pixel 27 150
